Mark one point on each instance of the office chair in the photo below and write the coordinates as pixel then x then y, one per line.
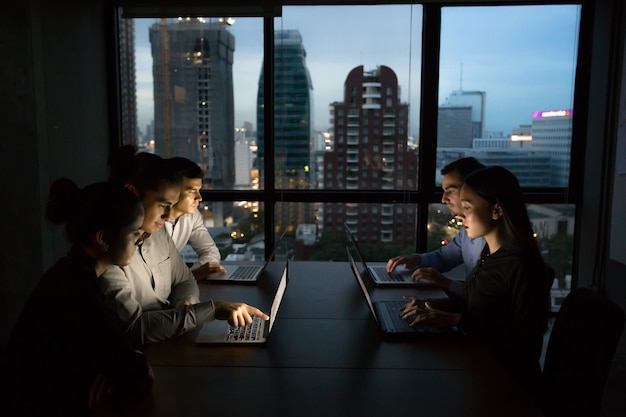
pixel 579 354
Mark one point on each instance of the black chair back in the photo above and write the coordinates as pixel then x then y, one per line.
pixel 579 354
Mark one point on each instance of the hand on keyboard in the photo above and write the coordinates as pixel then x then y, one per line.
pixel 433 276
pixel 252 331
pixel 413 302
pixel 426 314
pixel 237 314
pixel 207 269
pixel 408 261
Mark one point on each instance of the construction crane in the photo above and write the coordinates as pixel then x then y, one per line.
pixel 166 87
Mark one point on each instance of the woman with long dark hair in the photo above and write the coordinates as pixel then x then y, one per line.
pixel 506 297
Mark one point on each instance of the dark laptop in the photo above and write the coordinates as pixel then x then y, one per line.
pixel 387 314
pixel 378 272
pixel 220 332
pixel 246 272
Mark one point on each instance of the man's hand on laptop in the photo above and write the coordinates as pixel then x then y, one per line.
pixel 237 314
pixel 408 261
pixel 433 276
pixel 209 268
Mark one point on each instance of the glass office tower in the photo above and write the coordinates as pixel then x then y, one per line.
pixel 292 106
pixel 293 131
pixel 552 132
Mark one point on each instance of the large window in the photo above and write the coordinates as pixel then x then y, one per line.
pixel 346 97
pixel 196 87
pixel 506 96
pixel 367 103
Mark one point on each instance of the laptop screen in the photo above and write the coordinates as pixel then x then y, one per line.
pixel 274 249
pixel 359 278
pixel 354 248
pixel 280 291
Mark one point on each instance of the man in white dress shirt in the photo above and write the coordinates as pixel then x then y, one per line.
pixel 186 225
pixel 156 294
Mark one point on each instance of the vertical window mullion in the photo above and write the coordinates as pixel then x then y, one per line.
pixel 431 27
pixel 269 186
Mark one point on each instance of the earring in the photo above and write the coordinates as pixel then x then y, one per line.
pixel 105 246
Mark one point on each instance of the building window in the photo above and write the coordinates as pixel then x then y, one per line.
pixel 200 93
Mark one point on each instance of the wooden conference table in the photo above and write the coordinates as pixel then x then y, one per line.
pixel 325 357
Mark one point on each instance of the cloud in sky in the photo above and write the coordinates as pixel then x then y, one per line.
pixel 523 57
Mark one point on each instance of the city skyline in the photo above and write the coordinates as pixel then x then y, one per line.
pixel 521 70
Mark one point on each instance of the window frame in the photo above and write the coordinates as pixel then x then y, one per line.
pixel 427 191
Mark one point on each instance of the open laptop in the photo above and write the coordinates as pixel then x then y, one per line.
pixel 378 272
pixel 246 272
pixel 387 314
pixel 220 332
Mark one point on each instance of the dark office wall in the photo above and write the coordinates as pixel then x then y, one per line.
pixel 53 118
pixel 616 263
pixel 593 264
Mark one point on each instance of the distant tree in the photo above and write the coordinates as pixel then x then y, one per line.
pixel 381 252
pixel 330 247
pixel 559 254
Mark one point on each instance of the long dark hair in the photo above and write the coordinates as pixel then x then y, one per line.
pixel 100 206
pixel 498 185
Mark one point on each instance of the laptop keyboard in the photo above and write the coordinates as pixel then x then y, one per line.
pixel 253 331
pixel 245 272
pixel 393 309
pixel 382 273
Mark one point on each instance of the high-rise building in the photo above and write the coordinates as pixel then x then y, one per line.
pixel 248 130
pixel 128 82
pixel 292 107
pixel 454 127
pixel 193 95
pixel 293 127
pixel 475 100
pixel 552 132
pixel 371 152
pixel 243 165
pixel 322 144
pixel 532 168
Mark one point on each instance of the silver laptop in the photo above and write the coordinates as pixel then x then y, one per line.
pixel 220 332
pixel 387 314
pixel 246 272
pixel 378 272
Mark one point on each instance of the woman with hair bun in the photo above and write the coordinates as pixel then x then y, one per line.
pixel 68 354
